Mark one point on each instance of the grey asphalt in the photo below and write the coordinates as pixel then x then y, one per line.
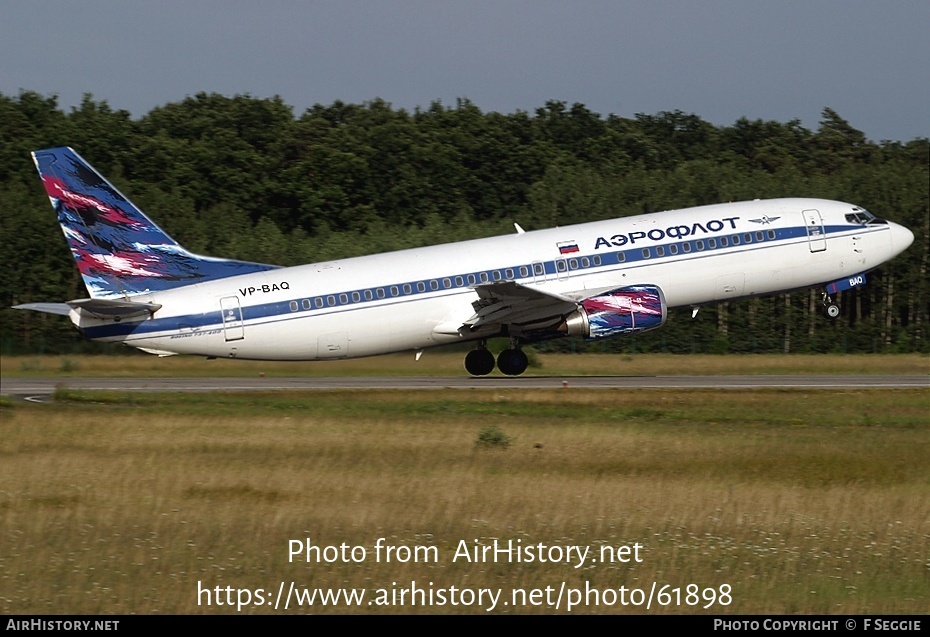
pixel 39 387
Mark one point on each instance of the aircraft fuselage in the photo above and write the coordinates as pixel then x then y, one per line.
pixel 419 298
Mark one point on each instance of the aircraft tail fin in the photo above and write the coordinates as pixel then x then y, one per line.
pixel 119 251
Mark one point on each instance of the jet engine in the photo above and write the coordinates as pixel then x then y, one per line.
pixel 627 310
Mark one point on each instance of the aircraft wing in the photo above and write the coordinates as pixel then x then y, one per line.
pixel 509 302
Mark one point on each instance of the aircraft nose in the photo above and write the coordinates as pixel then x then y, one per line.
pixel 901 238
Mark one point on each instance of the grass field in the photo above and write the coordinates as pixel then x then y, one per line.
pixel 798 501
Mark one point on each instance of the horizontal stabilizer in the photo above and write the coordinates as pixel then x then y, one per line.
pixel 101 308
pixel 62 309
pixel 111 308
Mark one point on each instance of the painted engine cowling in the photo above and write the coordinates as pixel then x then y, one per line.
pixel 628 310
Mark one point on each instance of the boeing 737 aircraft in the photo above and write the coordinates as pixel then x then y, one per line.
pixel 594 280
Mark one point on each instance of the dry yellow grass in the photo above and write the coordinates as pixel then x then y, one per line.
pixel 801 501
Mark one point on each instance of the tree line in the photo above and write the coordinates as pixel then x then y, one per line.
pixel 246 178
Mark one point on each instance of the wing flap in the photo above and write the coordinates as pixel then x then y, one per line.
pixel 509 302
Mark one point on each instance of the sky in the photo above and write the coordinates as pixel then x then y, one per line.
pixel 868 60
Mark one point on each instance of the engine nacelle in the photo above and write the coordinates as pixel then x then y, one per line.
pixel 628 310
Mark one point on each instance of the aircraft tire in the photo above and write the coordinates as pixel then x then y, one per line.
pixel 479 362
pixel 831 310
pixel 512 362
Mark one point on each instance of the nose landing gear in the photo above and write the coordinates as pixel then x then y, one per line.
pixel 830 309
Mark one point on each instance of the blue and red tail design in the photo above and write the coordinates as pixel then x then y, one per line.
pixel 119 251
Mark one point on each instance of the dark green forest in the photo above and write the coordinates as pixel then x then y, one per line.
pixel 246 178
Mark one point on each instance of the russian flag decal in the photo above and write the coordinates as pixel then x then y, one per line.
pixel 567 247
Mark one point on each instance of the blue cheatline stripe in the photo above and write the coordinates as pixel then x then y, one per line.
pixel 631 257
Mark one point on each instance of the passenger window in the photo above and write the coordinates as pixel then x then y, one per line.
pixel 621 257
pixel 524 272
pixel 686 247
pixel 673 249
pixel 306 304
pixel 459 281
pixel 711 243
pixel 331 301
pixel 421 287
pixel 660 251
pixel 356 297
pixel 343 299
pixel 596 260
pixel 407 289
pixel 368 295
pixel 699 244
pixel 394 290
pixel 293 305
pixel 447 283
pixel 318 301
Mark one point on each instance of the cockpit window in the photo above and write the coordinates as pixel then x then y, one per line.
pixel 863 217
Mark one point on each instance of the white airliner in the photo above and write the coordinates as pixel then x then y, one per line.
pixel 593 280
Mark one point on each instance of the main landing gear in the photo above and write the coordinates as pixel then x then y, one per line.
pixel 512 362
pixel 830 309
pixel 479 362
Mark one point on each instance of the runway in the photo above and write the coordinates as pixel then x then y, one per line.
pixel 40 387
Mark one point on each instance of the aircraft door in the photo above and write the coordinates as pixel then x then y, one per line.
pixel 816 236
pixel 232 318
